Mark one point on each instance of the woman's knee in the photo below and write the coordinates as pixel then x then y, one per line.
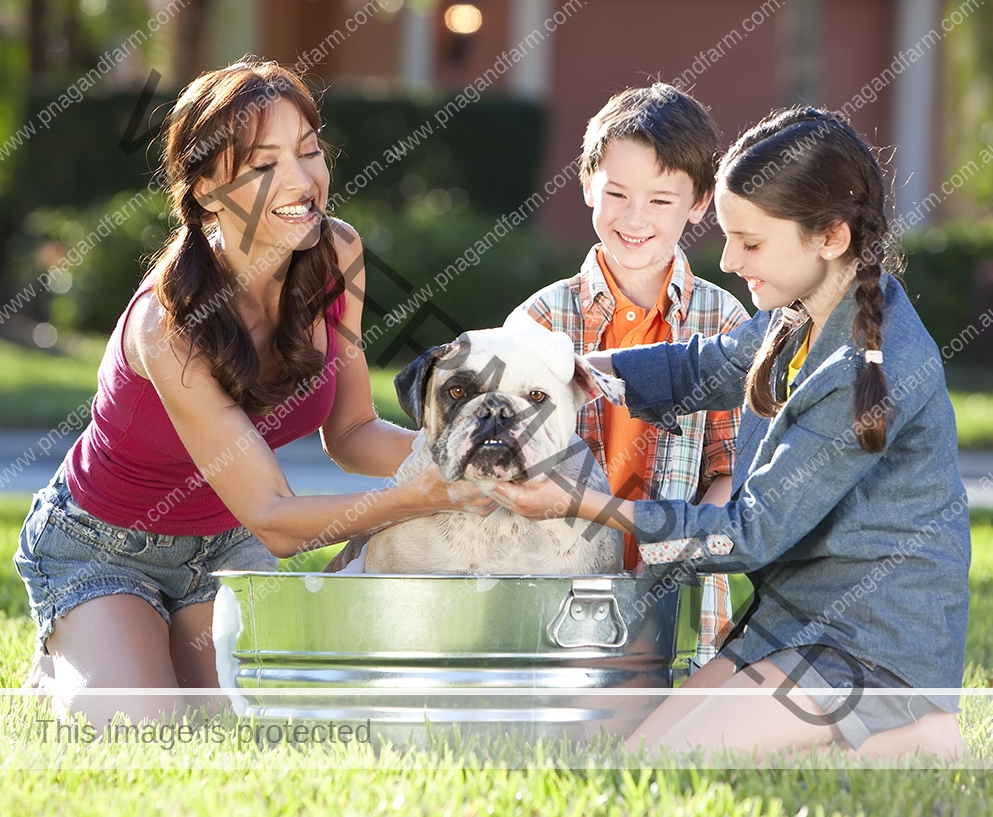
pixel 122 626
pixel 192 646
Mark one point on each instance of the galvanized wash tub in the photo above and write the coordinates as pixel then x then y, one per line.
pixel 486 656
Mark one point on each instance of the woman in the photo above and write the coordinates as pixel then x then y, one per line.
pixel 848 511
pixel 243 337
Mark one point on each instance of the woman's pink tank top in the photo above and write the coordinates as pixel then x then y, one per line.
pixel 130 468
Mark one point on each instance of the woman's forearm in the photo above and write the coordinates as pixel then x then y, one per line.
pixel 375 448
pixel 295 524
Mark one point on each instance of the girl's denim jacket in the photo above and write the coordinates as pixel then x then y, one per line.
pixel 867 553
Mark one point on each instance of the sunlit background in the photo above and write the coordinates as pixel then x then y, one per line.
pixel 450 115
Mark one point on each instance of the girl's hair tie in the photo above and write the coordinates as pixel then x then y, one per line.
pixel 874 356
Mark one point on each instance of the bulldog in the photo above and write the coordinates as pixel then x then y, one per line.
pixel 497 405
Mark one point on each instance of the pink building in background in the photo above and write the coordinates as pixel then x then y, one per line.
pixel 878 60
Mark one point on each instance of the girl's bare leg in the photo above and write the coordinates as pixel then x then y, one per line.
pixel 759 724
pixel 937 733
pixel 710 676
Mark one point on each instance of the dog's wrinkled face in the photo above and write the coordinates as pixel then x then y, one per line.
pixel 505 409
pixel 496 403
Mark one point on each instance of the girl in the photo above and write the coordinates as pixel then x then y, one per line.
pixel 241 339
pixel 848 512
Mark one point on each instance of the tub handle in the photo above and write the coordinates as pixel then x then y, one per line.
pixel 592 604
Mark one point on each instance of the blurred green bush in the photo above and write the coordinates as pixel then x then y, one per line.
pixel 490 150
pixel 412 264
pixel 948 276
pixel 417 216
pixel 66 180
pixel 77 158
pixel 489 153
pixel 102 271
pixel 411 301
pixel 414 302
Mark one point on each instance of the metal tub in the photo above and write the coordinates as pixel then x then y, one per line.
pixel 486 656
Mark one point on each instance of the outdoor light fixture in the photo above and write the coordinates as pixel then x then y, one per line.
pixel 463 18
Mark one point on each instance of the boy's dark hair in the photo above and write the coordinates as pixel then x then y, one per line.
pixel 678 127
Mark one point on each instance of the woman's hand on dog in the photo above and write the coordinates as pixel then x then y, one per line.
pixel 439 495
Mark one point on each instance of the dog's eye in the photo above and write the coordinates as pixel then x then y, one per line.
pixel 536 395
pixel 458 392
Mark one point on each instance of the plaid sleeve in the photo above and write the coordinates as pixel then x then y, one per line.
pixel 721 427
pixel 553 308
pixel 715 617
pixel 539 311
pixel 720 430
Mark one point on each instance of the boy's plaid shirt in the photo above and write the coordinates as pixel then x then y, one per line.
pixel 676 467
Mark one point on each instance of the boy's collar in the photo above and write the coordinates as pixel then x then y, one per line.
pixel 593 283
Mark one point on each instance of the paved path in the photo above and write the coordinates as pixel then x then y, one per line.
pixel 28 459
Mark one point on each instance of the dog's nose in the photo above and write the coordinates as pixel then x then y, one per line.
pixel 496 409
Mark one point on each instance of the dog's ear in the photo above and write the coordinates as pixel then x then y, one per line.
pixel 589 383
pixel 412 383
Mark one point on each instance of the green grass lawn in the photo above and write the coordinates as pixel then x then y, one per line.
pixel 974 418
pixel 39 389
pixel 205 778
pixel 384 395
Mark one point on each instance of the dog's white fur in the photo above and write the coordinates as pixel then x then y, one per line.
pixel 500 429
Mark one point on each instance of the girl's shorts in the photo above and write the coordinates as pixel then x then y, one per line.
pixel 858 716
pixel 67 557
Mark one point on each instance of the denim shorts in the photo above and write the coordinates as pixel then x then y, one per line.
pixel 67 557
pixel 858 716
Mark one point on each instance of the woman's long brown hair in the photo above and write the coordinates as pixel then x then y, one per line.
pixel 809 166
pixel 212 131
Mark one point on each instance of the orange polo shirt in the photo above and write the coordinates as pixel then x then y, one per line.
pixel 631 325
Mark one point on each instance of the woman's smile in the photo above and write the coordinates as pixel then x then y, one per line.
pixel 297 213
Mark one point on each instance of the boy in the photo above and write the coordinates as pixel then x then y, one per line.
pixel 648 164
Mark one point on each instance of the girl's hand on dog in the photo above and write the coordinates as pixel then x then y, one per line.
pixel 538 498
pixel 561 497
pixel 602 360
pixel 440 495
